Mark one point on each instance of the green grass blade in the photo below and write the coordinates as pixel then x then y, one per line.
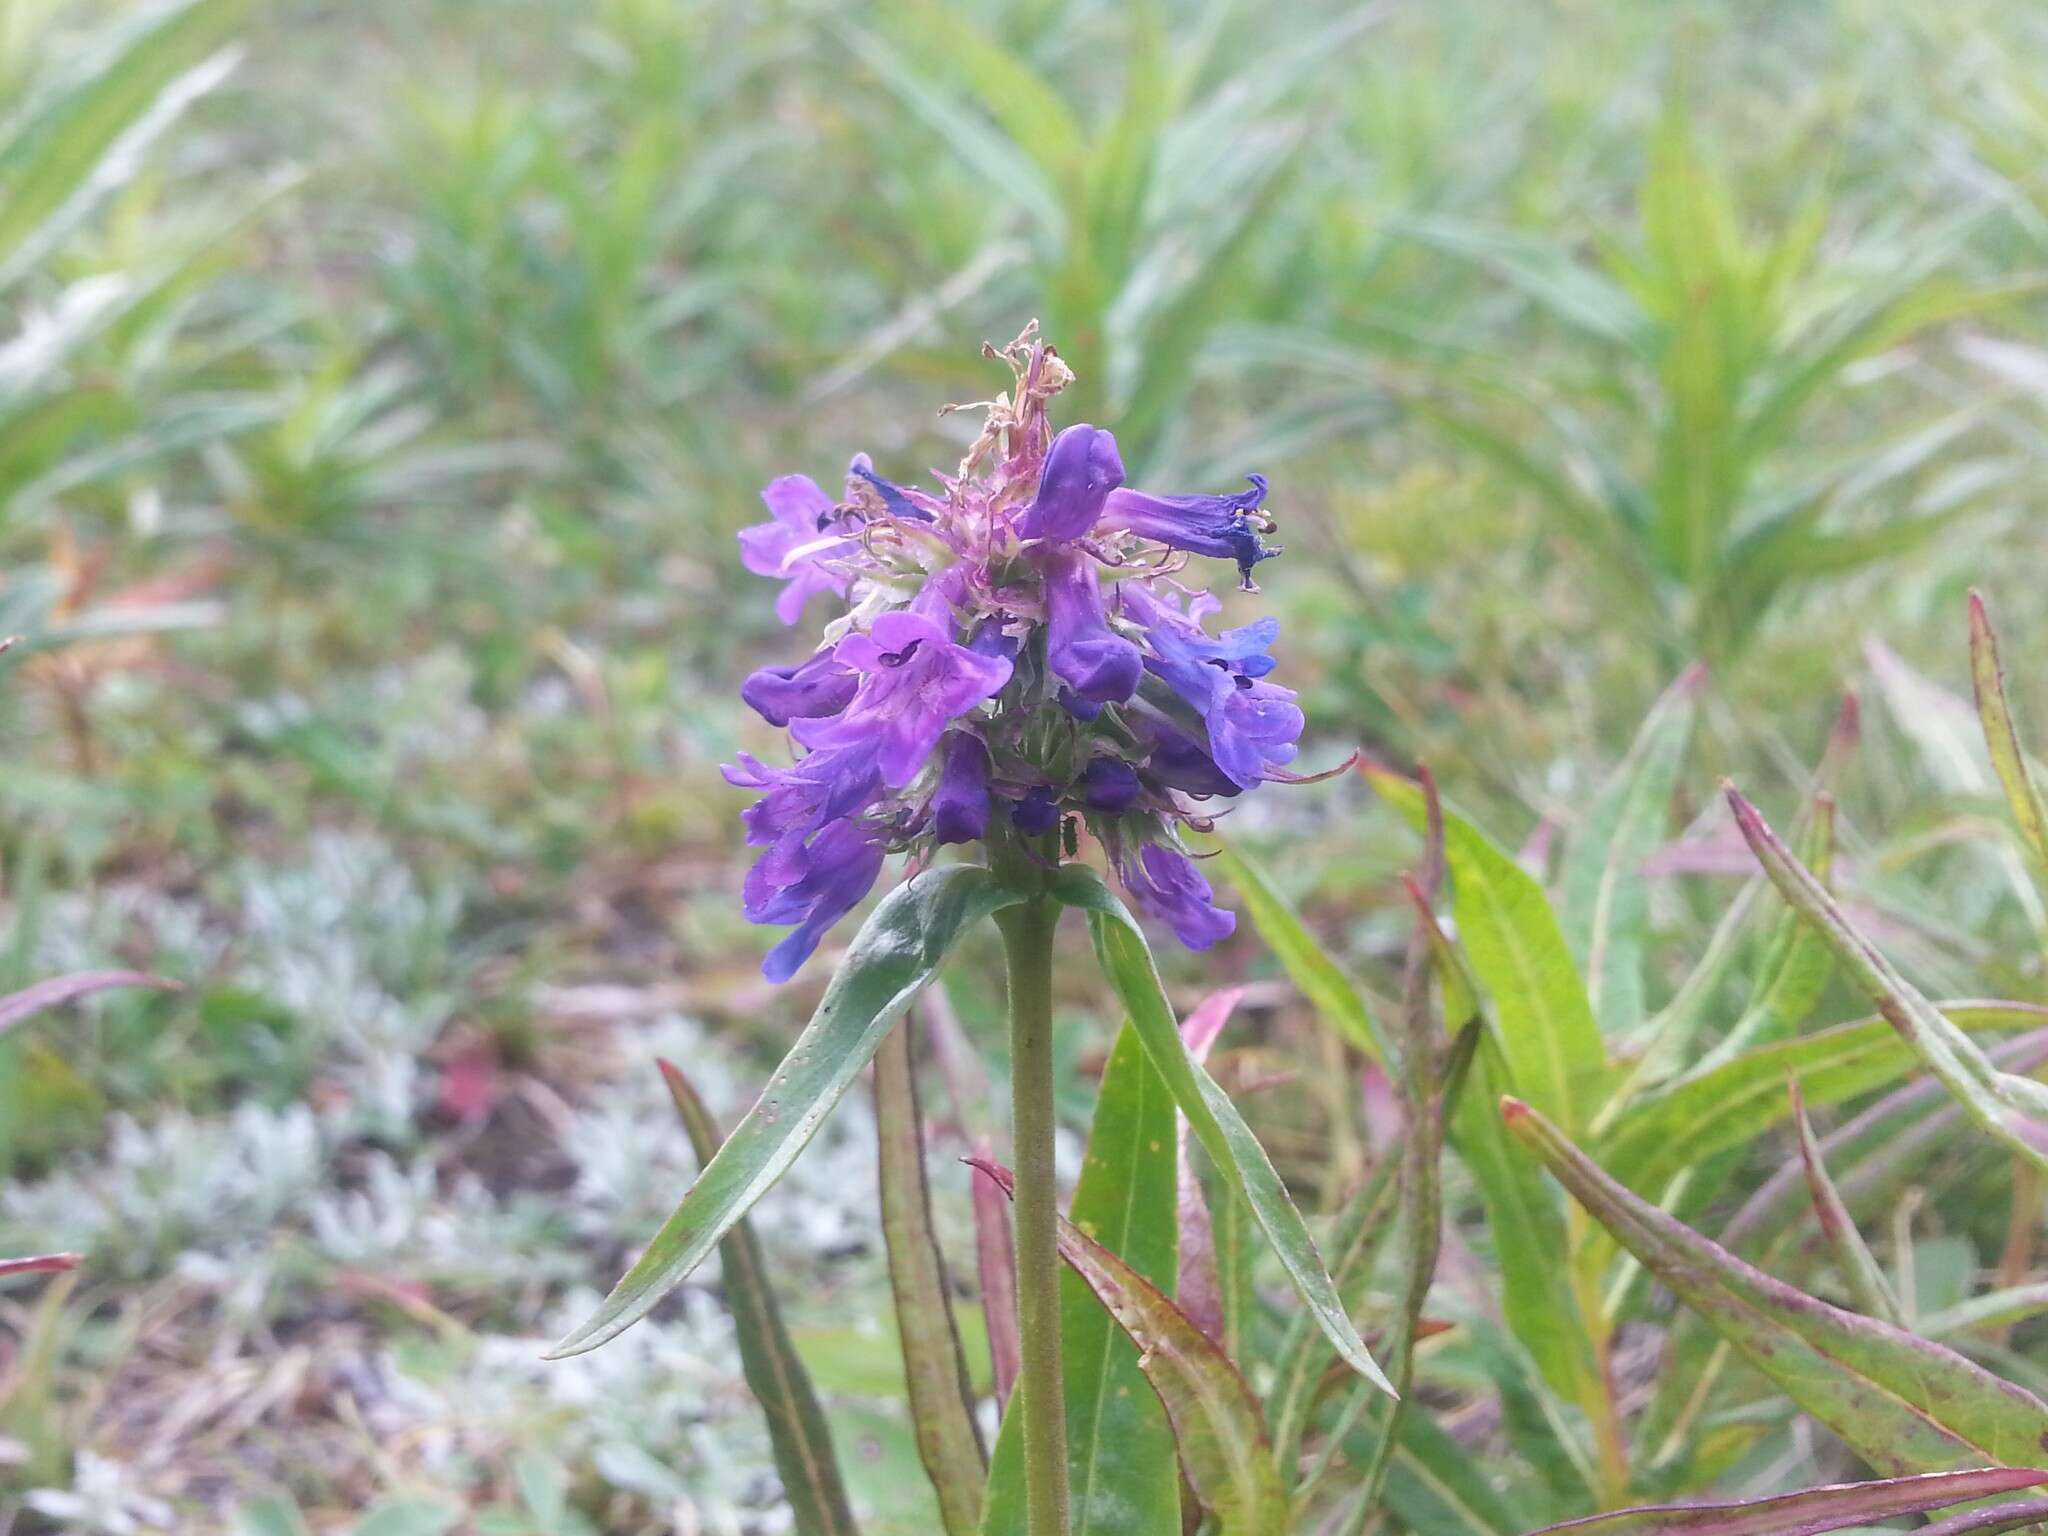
pixel 934 1367
pixel 1605 900
pixel 2008 758
pixel 1232 1148
pixel 1122 1478
pixel 1903 1404
pixel 1855 1262
pixel 797 1432
pixel 896 953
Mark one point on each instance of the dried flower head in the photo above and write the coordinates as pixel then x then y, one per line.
pixel 1017 654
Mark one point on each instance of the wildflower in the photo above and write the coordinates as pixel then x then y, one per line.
pixel 1018 640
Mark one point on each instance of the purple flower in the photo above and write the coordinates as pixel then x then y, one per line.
pixel 960 804
pixel 1100 665
pixel 1225 527
pixel 791 547
pixel 822 685
pixel 1109 784
pixel 1037 812
pixel 1178 761
pixel 895 499
pixel 1252 725
pixel 915 679
pixel 812 884
pixel 1081 469
pixel 795 802
pixel 1166 884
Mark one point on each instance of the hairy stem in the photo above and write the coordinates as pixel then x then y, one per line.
pixel 1027 932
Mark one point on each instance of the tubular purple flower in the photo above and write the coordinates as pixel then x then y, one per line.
pixel 1037 812
pixel 789 548
pixel 823 685
pixel 894 498
pixel 1224 527
pixel 1100 665
pixel 1110 784
pixel 1166 884
pixel 1252 725
pixel 1178 761
pixel 915 679
pixel 959 805
pixel 1081 469
pixel 813 885
pixel 826 786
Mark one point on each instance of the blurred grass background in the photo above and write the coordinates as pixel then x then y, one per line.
pixel 381 385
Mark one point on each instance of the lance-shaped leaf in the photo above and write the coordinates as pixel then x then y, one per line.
pixel 934 1367
pixel 1731 1105
pixel 896 953
pixel 995 1259
pixel 1553 1048
pixel 1215 1417
pixel 1853 1258
pixel 797 1433
pixel 1122 1480
pixel 1233 1149
pixel 2014 1515
pixel 32 1000
pixel 1199 1287
pixel 1812 1510
pixel 2008 758
pixel 1902 1403
pixel 2012 1109
pixel 1604 898
pixel 1308 965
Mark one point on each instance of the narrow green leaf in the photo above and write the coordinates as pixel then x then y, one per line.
pixel 1308 965
pixel 1554 1052
pixel 1853 1258
pixel 1122 1477
pixel 2012 1109
pixel 896 953
pixel 2029 813
pixel 1215 1418
pixel 797 1432
pixel 1812 1510
pixel 934 1367
pixel 1605 902
pixel 1232 1148
pixel 1731 1105
pixel 1437 1485
pixel 1900 1402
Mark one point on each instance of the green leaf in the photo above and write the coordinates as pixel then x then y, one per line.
pixel 1553 1049
pixel 1853 1258
pixel 2012 1109
pixel 797 1432
pixel 896 953
pixel 2008 758
pixel 1122 1477
pixel 1308 965
pixel 1215 1417
pixel 1605 898
pixel 934 1367
pixel 1811 1510
pixel 1731 1105
pixel 1900 1402
pixel 408 1517
pixel 1232 1148
pixel 1437 1485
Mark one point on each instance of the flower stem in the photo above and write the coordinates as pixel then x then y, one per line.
pixel 1027 949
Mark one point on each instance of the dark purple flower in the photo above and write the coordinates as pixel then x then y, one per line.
pixel 1081 469
pixel 1178 761
pixel 823 685
pixel 1166 884
pixel 1222 526
pixel 1037 812
pixel 914 679
pixel 1109 784
pixel 791 547
pixel 826 786
pixel 1100 665
pixel 960 803
pixel 812 884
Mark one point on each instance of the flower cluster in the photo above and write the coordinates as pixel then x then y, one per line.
pixel 1015 654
